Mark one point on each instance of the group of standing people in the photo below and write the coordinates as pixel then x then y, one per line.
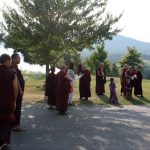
pixel 131 78
pixel 60 88
pixel 11 94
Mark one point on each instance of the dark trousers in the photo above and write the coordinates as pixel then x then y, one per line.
pixel 5 132
pixel 18 110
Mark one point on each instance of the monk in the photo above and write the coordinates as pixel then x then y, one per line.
pixel 100 80
pixel 62 91
pixel 50 90
pixel 21 83
pixel 129 74
pixel 84 82
pixel 123 80
pixel 138 82
pixel 8 95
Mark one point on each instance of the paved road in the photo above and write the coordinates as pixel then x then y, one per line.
pixel 84 128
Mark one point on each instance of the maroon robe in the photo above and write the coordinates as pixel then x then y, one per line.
pixel 62 92
pixel 19 97
pixel 84 84
pixel 100 82
pixel 123 82
pixel 6 104
pixel 50 90
pixel 138 84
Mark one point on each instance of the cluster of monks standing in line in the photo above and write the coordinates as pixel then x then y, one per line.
pixel 59 88
pixel 131 78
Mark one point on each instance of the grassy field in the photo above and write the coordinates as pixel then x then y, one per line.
pixel 34 92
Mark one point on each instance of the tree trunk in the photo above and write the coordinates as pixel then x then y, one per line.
pixel 47 69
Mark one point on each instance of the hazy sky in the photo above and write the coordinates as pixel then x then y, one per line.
pixel 135 21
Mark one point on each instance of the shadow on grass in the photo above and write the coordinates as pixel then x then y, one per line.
pixel 104 98
pixel 136 101
pixel 85 102
pixel 144 99
pixel 139 101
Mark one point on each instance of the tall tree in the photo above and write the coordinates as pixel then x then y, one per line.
pixel 44 30
pixel 114 70
pixel 132 58
pixel 100 55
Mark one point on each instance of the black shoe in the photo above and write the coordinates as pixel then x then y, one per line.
pixel 71 104
pixel 62 113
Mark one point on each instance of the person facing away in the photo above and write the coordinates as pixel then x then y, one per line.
pixel 62 90
pixel 71 74
pixel 8 95
pixel 50 89
pixel 21 84
pixel 113 95
pixel 123 80
pixel 84 83
pixel 128 88
pixel 100 79
pixel 138 82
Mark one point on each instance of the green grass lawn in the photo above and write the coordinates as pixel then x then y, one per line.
pixel 34 92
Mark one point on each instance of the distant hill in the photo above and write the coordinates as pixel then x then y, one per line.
pixel 118 45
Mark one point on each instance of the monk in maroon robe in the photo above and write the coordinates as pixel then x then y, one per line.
pixel 8 94
pixel 129 74
pixel 84 83
pixel 62 91
pixel 138 83
pixel 100 80
pixel 123 80
pixel 21 84
pixel 50 90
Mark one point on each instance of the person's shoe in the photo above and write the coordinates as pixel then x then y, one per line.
pixel 4 147
pixel 62 113
pixel 49 107
pixel 101 94
pixel 18 129
pixel 71 104
pixel 53 108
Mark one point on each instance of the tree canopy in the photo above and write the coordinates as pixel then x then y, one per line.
pixel 44 30
pixel 132 58
pixel 97 57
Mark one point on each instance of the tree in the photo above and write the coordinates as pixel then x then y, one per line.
pixel 44 30
pixel 72 58
pixel 100 55
pixel 114 70
pixel 132 58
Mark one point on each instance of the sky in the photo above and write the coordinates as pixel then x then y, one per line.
pixel 135 22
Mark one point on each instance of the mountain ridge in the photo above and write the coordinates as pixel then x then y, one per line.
pixel 119 44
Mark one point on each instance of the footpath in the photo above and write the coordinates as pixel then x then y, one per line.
pixel 84 128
